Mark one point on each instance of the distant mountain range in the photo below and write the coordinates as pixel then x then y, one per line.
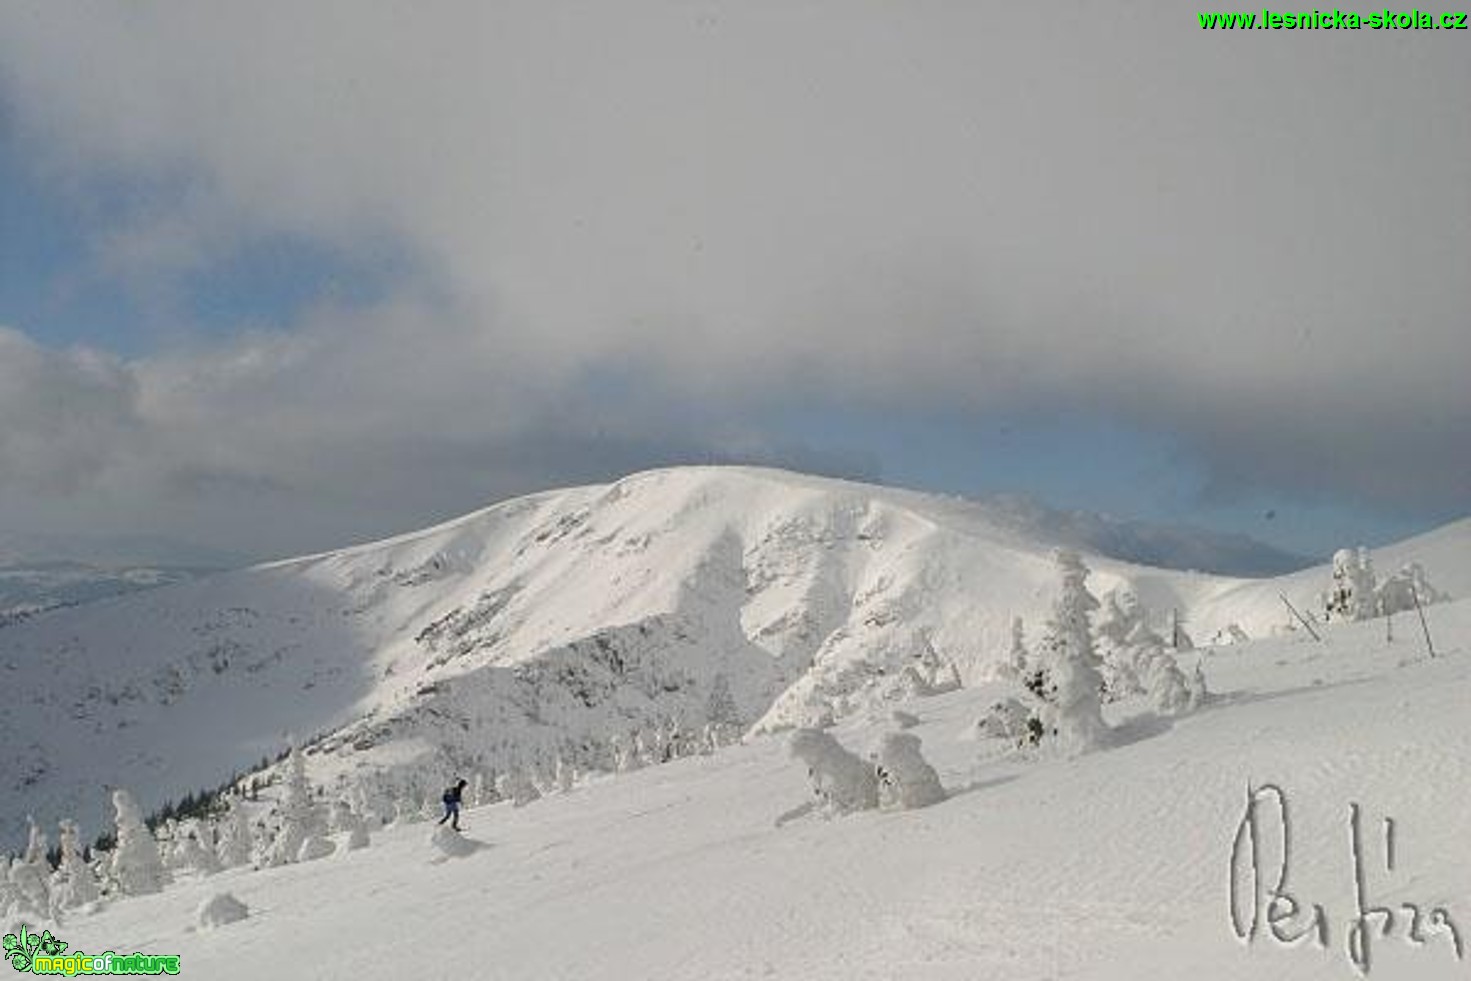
pixel 1183 547
pixel 27 589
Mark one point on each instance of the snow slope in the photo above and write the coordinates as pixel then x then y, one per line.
pixel 545 626
pixel 1257 606
pixel 1114 866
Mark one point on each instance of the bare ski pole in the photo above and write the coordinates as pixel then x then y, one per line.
pixel 1415 595
pixel 1300 618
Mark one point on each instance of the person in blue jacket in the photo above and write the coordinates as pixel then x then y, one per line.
pixel 451 799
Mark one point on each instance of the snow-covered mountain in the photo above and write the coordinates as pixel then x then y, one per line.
pixel 550 624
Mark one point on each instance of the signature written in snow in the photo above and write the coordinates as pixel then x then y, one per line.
pixel 1264 905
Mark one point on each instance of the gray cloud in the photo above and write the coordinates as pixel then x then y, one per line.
pixel 63 416
pixel 1256 243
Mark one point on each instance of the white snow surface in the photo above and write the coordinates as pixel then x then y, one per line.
pixel 1111 866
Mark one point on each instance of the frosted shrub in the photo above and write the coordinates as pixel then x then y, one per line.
pixel 1171 692
pixel 905 780
pixel 841 780
pixel 1005 719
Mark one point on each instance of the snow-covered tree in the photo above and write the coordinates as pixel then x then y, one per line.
pixel 1180 638
pixel 194 850
pixel 626 756
pixel 1070 713
pixel 135 868
pixel 300 821
pixel 722 715
pixel 1138 661
pixel 905 780
pixel 517 787
pixel 10 899
pixel 1171 691
pixel 236 840
pixel 1406 589
pixel 1353 593
pixel 1018 658
pixel 36 847
pixel 565 775
pixel 347 821
pixel 1123 637
pixel 30 884
pixel 842 782
pixel 73 884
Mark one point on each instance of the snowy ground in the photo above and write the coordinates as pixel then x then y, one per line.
pixel 1115 866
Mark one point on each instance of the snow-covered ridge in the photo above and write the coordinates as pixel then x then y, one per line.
pixel 549 624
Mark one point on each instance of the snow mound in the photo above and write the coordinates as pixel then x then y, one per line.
pixel 843 782
pixel 905 780
pixel 218 910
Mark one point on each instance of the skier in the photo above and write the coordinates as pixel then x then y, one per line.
pixel 451 800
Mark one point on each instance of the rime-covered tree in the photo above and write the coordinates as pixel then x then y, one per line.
pixel 73 884
pixel 1352 595
pixel 1018 658
pixel 564 774
pixel 1180 638
pixel 300 821
pixel 1123 636
pixel 30 887
pixel 722 715
pixel 515 786
pixel 193 849
pixel 1406 589
pixel 235 844
pixel 1070 713
pixel 37 846
pixel 348 822
pixel 135 867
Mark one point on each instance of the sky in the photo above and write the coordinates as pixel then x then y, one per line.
pixel 279 277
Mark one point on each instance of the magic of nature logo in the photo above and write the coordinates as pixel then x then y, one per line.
pixel 42 953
